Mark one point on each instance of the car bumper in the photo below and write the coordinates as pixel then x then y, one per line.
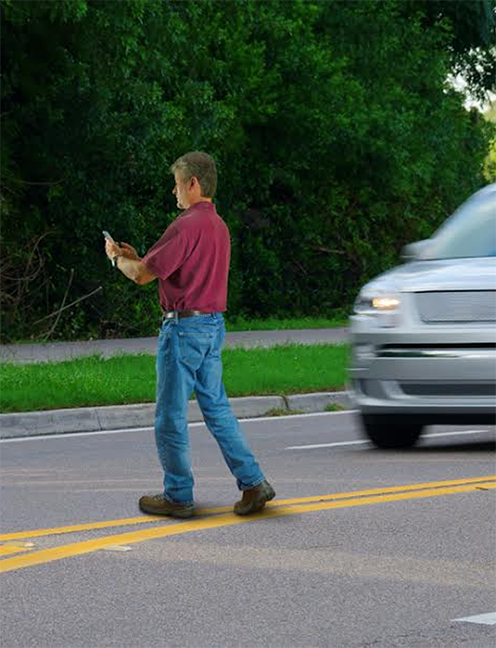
pixel 446 376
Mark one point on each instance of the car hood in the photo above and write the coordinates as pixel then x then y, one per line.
pixel 440 275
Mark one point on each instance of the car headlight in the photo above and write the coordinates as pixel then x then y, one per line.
pixel 375 304
pixel 385 303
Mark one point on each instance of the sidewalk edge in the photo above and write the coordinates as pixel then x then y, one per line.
pixel 93 419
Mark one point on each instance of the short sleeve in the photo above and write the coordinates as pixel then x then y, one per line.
pixel 167 255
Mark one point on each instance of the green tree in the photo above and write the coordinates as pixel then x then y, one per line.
pixel 472 46
pixel 336 135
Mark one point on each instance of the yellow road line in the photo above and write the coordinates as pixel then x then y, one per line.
pixel 147 519
pixel 6 550
pixel 93 526
pixel 88 546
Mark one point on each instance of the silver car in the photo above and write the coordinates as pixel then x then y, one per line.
pixel 424 333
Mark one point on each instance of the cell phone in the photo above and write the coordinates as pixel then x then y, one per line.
pixel 107 236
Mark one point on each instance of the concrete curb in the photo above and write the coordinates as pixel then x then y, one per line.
pixel 92 419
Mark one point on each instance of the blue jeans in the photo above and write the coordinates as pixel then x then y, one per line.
pixel 189 358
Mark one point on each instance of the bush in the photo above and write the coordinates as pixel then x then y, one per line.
pixel 336 137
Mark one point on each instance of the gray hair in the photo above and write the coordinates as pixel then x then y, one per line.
pixel 201 166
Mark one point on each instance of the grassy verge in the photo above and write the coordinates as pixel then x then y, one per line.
pixel 285 369
pixel 272 324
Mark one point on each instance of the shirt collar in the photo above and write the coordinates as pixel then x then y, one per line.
pixel 199 206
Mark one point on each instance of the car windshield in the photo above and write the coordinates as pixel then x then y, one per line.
pixel 470 231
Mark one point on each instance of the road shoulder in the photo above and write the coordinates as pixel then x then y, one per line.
pixel 92 419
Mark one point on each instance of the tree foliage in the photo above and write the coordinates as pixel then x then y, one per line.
pixel 336 136
pixel 473 40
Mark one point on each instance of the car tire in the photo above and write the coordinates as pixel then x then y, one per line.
pixel 391 431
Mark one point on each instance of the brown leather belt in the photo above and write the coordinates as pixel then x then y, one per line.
pixel 178 314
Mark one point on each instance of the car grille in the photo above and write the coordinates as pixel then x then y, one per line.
pixel 448 389
pixel 457 306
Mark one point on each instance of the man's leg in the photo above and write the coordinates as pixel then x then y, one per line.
pixel 175 383
pixel 224 426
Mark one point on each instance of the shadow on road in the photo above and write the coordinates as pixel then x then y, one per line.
pixel 476 446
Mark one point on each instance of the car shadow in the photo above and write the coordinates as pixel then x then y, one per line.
pixel 423 448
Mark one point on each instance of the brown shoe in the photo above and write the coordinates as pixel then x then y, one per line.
pixel 160 505
pixel 254 499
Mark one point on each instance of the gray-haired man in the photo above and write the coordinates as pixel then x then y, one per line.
pixel 191 263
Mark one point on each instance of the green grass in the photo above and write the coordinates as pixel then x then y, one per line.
pixel 334 407
pixel 84 382
pixel 280 411
pixel 273 324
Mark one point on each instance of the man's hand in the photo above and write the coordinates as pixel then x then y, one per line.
pixel 129 252
pixel 130 264
pixel 111 249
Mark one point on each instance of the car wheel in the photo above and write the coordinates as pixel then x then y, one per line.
pixel 391 431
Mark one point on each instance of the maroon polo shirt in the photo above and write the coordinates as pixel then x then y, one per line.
pixel 191 261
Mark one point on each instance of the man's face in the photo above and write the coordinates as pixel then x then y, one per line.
pixel 181 191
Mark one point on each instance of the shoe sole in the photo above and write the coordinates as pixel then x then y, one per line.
pixel 182 515
pixel 258 505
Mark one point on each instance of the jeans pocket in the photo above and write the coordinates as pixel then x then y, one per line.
pixel 194 346
pixel 164 346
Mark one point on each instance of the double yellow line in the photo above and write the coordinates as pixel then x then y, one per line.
pixel 220 517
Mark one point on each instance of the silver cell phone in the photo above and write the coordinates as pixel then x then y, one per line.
pixel 107 236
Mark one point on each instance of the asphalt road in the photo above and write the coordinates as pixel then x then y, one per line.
pixel 362 547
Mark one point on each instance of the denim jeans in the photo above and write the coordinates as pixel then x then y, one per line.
pixel 189 358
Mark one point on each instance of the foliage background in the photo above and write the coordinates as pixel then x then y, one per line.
pixel 336 135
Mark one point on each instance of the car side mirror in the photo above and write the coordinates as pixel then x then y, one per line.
pixel 416 251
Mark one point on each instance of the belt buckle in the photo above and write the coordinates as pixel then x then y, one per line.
pixel 169 315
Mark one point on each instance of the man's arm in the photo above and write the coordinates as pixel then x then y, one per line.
pixel 135 270
pixel 128 262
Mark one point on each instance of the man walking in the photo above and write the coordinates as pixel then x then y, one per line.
pixel 191 263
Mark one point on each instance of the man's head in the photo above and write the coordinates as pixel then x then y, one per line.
pixel 196 178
